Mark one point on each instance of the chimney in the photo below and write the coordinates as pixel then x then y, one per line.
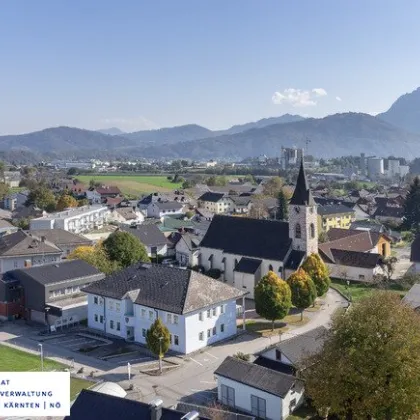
pixel 191 415
pixel 156 409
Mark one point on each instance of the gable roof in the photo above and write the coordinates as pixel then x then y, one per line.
pixel 255 376
pixel 107 190
pixel 169 205
pixel 60 237
pixel 354 258
pixel 166 288
pixel 295 259
pixel 214 197
pixel 248 265
pixel 149 235
pixel 297 348
pixel 127 212
pixel 255 238
pixel 415 250
pixel 384 211
pixel 302 195
pixel 55 273
pixel 91 405
pixel 20 243
pixel 328 209
pixel 412 298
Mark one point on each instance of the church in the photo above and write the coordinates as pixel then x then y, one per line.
pixel 244 249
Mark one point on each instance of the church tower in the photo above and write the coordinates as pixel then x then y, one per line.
pixel 303 219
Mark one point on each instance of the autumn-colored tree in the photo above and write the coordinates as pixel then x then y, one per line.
pixel 66 201
pixel 273 298
pixel 158 340
pixel 42 197
pixel 369 365
pixel 82 202
pixel 318 272
pixel 273 186
pixel 303 290
pixel 96 256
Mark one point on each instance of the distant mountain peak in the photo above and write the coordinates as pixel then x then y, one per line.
pixel 113 131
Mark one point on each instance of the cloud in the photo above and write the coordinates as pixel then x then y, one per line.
pixel 298 97
pixel 338 98
pixel 129 124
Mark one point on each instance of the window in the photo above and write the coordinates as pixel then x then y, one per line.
pixel 278 354
pixel 208 313
pixel 270 268
pixel 143 332
pixel 95 300
pixel 118 326
pixel 222 328
pixel 214 311
pixel 201 336
pixel 214 330
pixel 208 333
pixel 228 396
pixel 258 406
pixel 15 264
pixel 117 307
pixel 176 319
pixel 200 316
pixel 111 305
pixel 222 309
pixel 312 228
pixel 298 231
pixel 361 276
pixel 96 317
pixel 169 318
pixel 101 319
pixel 170 338
pixel 150 315
pixel 143 313
pixel 111 324
pixel 176 340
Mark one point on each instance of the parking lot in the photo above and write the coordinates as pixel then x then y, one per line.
pixel 75 342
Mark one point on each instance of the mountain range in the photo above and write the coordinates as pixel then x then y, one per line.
pixel 394 132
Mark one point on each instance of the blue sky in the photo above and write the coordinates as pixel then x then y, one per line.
pixel 143 64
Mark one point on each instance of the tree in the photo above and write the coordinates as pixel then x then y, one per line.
pixel 96 256
pixel 158 340
pixel 369 365
pixel 323 237
pixel 42 197
pixel 242 356
pixel 189 214
pixel 273 298
pixel 273 186
pixel 66 201
pixel 282 206
pixel 72 171
pixel 318 272
pixel 4 190
pixel 411 218
pixel 82 202
pixel 303 290
pixel 2 169
pixel 125 249
pixel 258 210
pixel 388 266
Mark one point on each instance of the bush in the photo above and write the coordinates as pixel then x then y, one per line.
pixel 242 356
pixel 214 273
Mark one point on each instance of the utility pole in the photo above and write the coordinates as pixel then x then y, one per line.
pixel 41 349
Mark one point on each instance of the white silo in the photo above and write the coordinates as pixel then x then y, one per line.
pixel 393 168
pixel 375 168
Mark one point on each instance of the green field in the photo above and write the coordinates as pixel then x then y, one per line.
pixel 133 184
pixel 13 360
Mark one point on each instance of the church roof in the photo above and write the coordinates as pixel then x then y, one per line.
pixel 302 195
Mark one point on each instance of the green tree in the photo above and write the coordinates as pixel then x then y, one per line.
pixel 323 237
pixel 282 206
pixel 158 340
pixel 65 201
pixel 273 186
pixel 369 365
pixel 411 218
pixel 303 290
pixel 82 202
pixel 42 197
pixel 2 169
pixel 96 256
pixel 273 298
pixel 318 272
pixel 4 190
pixel 72 171
pixel 125 249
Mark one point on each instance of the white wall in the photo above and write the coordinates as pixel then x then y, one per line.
pixel 153 210
pixel 271 354
pixel 184 255
pixel 245 282
pixel 161 250
pixel 353 273
pixel 12 263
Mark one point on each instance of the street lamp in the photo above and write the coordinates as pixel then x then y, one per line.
pixel 160 354
pixel 41 349
pixel 348 289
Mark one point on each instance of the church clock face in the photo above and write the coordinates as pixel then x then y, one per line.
pixel 297 210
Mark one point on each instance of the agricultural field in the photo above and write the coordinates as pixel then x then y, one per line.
pixel 133 184
pixel 13 360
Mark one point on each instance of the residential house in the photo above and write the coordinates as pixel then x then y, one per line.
pixel 275 245
pixel 15 200
pixel 159 209
pixel 415 254
pixel 197 310
pixel 412 298
pixel 20 250
pixel 91 405
pixel 6 227
pixel 96 195
pixel 61 238
pixel 334 216
pixel 127 215
pixel 187 250
pixel 242 204
pixel 257 390
pixel 177 196
pixel 151 237
pixel 49 294
pixel 75 220
pixel 12 178
pixel 216 203
pixel 389 214
pixel 358 213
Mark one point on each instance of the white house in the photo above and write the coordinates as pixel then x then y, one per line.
pixel 151 237
pixel 187 250
pixel 257 390
pixel 216 203
pixel 75 220
pixel 127 215
pixel 197 310
pixel 415 254
pixel 159 209
pixel 97 194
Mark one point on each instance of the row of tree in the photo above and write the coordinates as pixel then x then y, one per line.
pixel 274 297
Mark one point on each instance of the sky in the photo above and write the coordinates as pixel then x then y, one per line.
pixel 138 64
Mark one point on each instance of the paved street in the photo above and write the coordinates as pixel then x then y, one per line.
pixel 403 264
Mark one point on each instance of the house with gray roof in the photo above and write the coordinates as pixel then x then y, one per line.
pixel 159 209
pixel 197 310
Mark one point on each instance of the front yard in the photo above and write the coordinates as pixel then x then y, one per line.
pixel 13 360
pixel 264 328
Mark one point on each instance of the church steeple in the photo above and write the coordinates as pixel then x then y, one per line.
pixel 302 195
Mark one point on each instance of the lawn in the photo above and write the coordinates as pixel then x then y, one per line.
pixel 264 328
pixel 13 360
pixel 133 184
